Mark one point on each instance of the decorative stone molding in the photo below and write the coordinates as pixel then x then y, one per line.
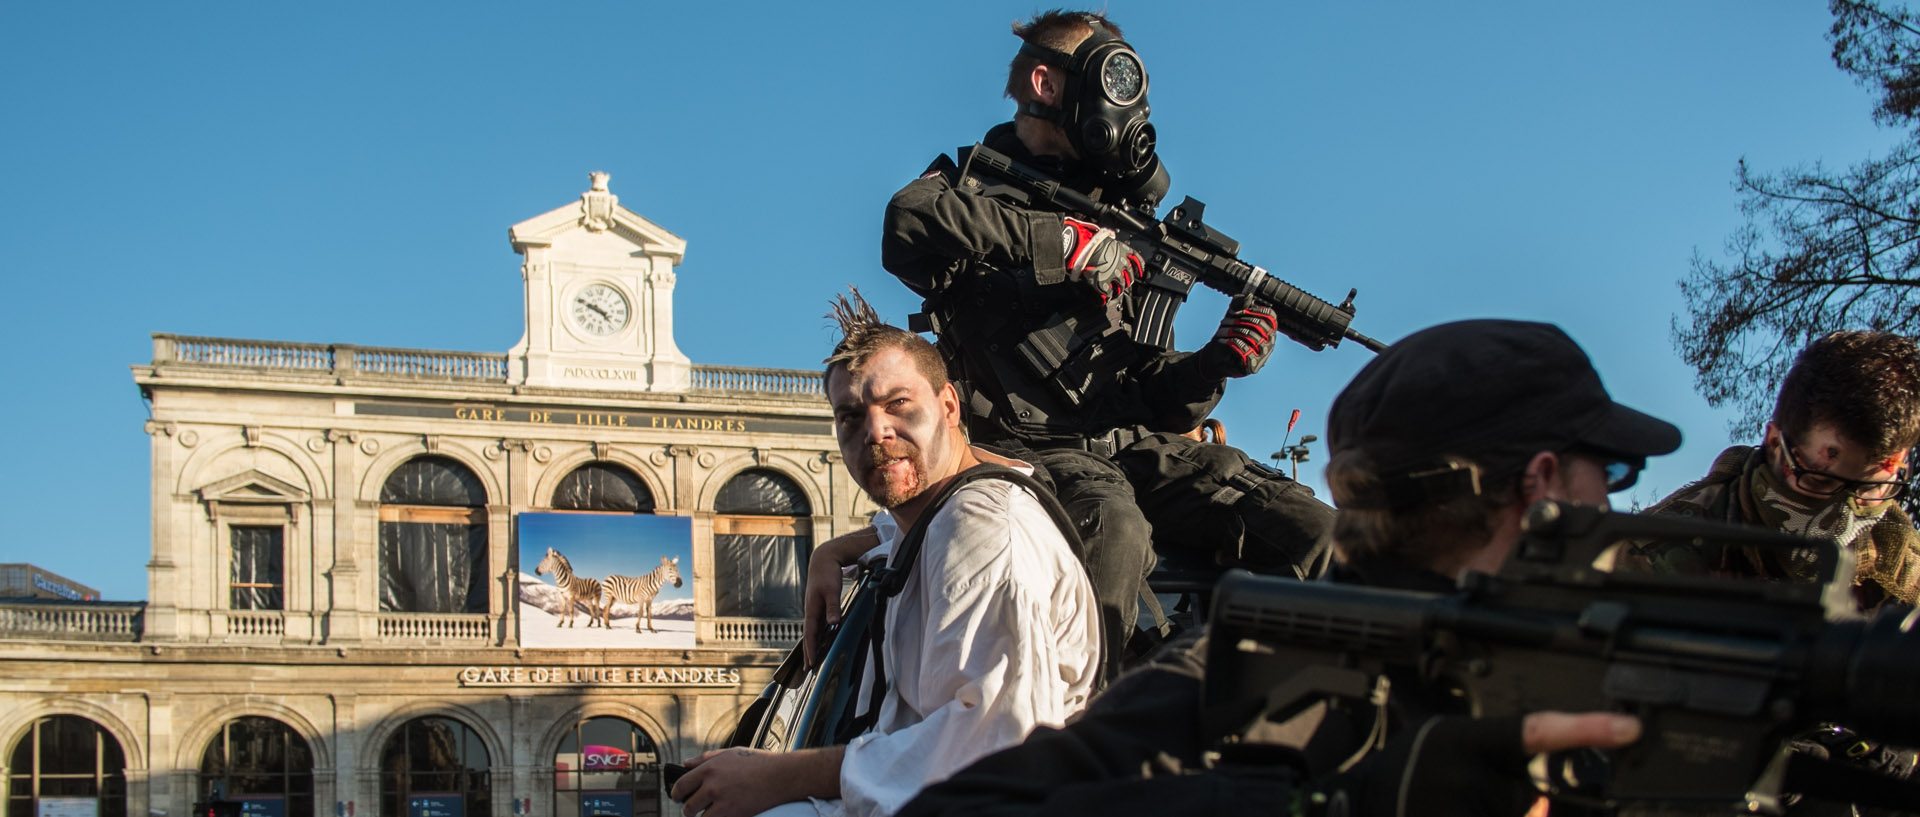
pixel 369 446
pixel 602 450
pixel 706 459
pixel 683 450
pixel 431 442
pixel 316 444
pixel 166 427
pixel 335 435
pixel 762 455
pixel 819 464
pixel 596 205
pixel 516 445
pixel 658 458
pixel 493 452
pixel 188 438
pixel 542 454
pixel 253 435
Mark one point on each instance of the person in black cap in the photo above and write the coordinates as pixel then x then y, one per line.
pixel 1438 446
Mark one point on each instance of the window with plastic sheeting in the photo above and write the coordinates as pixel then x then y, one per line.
pixel 260 762
pixel 601 487
pixel 433 539
pixel 255 579
pixel 435 765
pixel 762 535
pixel 606 766
pixel 67 764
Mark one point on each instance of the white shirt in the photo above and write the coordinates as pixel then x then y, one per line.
pixel 996 632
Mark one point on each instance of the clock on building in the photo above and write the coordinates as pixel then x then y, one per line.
pixel 598 309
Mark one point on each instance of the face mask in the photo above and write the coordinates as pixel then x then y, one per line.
pixel 1103 108
pixel 1839 520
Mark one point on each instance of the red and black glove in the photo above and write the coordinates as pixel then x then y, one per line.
pixel 1244 340
pixel 1096 257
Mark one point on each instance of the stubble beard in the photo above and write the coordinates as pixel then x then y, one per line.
pixel 897 485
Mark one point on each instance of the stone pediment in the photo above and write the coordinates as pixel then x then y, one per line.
pixel 598 212
pixel 254 487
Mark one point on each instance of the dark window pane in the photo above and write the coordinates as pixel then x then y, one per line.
pixel 433 481
pixel 430 567
pixel 760 492
pixel 256 574
pixel 68 745
pixel 602 487
pixel 759 576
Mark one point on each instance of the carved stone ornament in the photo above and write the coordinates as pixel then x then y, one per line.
pixel 602 449
pixel 188 438
pixel 492 452
pixel 761 455
pixel 335 435
pixel 316 444
pixel 596 205
pixel 819 464
pixel 369 446
pixel 683 450
pixel 542 454
pixel 253 435
pixel 160 427
pixel 431 442
pixel 658 458
pixel 707 459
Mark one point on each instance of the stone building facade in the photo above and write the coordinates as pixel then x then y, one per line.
pixel 275 663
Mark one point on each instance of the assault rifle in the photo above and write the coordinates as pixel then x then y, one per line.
pixel 1178 251
pixel 1723 673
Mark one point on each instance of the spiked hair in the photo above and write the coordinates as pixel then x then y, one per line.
pixel 863 334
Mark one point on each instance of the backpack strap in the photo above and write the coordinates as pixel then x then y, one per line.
pixel 891 577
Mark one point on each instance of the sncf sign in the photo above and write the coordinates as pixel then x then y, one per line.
pixel 605 759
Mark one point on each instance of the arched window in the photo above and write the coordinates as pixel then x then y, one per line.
pixel 433 539
pixel 437 765
pixel 606 766
pixel 761 537
pixel 601 487
pixel 67 764
pixel 263 763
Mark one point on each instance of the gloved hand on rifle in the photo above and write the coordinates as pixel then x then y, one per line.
pixel 1095 256
pixel 1243 342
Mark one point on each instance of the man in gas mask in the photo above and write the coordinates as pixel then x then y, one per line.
pixel 1035 311
pixel 1832 465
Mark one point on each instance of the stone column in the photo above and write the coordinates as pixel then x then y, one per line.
pixel 341 606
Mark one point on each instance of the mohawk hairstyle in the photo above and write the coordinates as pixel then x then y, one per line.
pixel 1867 384
pixel 863 334
pixel 1058 29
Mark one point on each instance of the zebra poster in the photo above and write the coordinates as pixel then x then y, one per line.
pixel 604 580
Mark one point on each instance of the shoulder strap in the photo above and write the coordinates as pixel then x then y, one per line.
pixel 891 578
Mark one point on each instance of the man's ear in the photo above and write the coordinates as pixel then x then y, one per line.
pixel 1044 83
pixel 950 404
pixel 1541 475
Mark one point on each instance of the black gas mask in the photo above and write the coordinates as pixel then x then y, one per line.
pixel 1103 109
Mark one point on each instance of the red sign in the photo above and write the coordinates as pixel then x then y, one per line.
pixel 605 759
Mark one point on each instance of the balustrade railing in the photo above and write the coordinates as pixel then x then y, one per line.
pixel 470 627
pixel 340 359
pixel 72 621
pixel 764 631
pixel 256 624
pixel 740 379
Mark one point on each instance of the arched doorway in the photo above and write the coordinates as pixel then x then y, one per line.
pixel 435 767
pixel 70 765
pixel 261 763
pixel 605 488
pixel 606 766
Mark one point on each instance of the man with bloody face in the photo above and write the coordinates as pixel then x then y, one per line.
pixel 993 633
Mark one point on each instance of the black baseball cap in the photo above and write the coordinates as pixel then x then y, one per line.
pixel 1492 391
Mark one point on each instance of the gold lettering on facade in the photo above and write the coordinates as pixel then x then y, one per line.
pixel 598 676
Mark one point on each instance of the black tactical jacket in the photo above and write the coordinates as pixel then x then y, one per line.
pixel 1139 748
pixel 1046 363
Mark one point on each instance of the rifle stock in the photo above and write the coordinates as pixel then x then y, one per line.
pixel 1721 672
pixel 1179 251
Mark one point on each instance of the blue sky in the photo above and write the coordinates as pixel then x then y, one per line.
pixel 346 172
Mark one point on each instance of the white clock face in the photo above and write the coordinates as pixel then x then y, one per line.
pixel 599 309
